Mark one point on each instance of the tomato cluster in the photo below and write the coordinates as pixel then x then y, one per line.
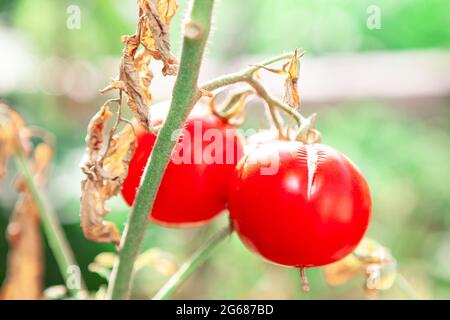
pixel 294 204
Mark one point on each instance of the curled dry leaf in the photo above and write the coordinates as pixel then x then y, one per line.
pixel 134 74
pixel 106 165
pixel 152 34
pixel 24 279
pixel 232 110
pixel 291 94
pixel 370 259
pixel 11 125
pixel 291 70
pixel 235 105
pixel 105 168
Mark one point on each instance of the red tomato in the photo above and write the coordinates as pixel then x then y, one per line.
pixel 299 205
pixel 194 186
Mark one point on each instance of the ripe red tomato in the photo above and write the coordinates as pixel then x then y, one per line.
pixel 299 205
pixel 194 186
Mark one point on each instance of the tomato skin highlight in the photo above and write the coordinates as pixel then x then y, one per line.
pixel 313 211
pixel 191 192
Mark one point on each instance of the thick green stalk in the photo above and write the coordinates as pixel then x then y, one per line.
pixel 185 95
pixel 55 235
pixel 191 265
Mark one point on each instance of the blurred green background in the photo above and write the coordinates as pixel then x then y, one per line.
pixel 401 142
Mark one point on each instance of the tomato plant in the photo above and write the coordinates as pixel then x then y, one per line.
pixel 300 205
pixel 194 187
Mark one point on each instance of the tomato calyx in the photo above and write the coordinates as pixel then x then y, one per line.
pixel 307 133
pixel 232 109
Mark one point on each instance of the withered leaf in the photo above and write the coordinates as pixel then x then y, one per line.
pixel 10 136
pixel 96 131
pixel 291 94
pixel 166 9
pixel 233 107
pixel 105 171
pixel 291 70
pixel 343 270
pixel 43 155
pixel 154 31
pixel 118 157
pixel 93 212
pixel 371 260
pixel 133 75
pixel 106 166
pixel 24 279
pixel 152 34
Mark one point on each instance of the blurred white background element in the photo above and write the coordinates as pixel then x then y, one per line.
pixel 328 78
pixel 17 63
pixel 342 77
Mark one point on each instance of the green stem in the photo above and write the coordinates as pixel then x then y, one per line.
pixel 185 95
pixel 199 256
pixel 242 76
pixel 224 81
pixel 55 235
pixel 247 77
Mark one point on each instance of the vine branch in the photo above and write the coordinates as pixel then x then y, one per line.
pixel 247 76
pixel 199 256
pixel 52 228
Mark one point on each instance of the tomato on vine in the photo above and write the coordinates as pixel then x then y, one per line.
pixel 297 204
pixel 194 186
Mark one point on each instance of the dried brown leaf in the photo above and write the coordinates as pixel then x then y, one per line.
pixel 11 124
pixel 134 75
pixel 93 212
pixel 342 271
pixel 105 171
pixel 24 279
pixel 141 63
pixel 152 34
pixel 96 132
pixel 167 9
pixel 106 166
pixel 371 260
pixel 154 31
pixel 291 94
pixel 291 70
pixel 233 108
pixel 119 154
pixel 43 155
